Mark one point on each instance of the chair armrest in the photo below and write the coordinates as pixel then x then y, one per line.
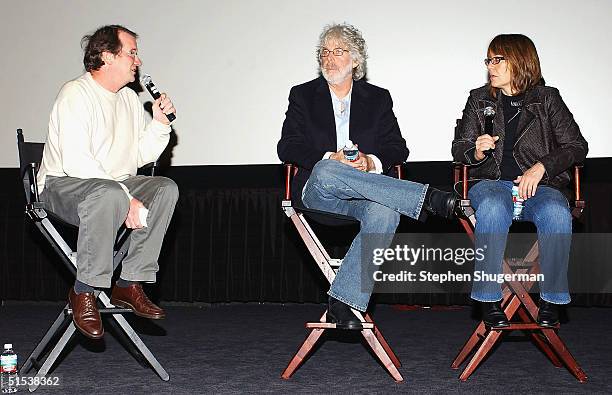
pixel 577 187
pixel 457 166
pixel 290 170
pixel 460 174
pixel 32 170
pixel 578 203
pixel 399 168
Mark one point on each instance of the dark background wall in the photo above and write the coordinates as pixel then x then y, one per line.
pixel 229 240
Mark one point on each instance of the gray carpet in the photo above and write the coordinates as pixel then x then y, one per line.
pixel 243 348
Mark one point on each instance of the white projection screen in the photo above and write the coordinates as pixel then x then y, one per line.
pixel 229 65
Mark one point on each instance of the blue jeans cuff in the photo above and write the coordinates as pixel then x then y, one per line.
pixel 487 298
pixel 343 300
pixel 556 298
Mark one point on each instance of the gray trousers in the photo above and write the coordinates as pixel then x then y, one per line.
pixel 99 207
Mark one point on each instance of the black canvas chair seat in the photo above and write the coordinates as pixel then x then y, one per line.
pixel 327 218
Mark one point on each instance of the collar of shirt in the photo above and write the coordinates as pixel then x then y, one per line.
pixel 342 115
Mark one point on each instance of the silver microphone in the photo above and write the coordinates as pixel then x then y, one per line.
pixel 146 80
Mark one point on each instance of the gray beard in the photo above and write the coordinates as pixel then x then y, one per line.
pixel 341 76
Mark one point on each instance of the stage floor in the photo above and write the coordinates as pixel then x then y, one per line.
pixel 243 348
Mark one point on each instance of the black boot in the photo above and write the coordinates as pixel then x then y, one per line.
pixel 548 314
pixel 493 315
pixel 341 315
pixel 438 202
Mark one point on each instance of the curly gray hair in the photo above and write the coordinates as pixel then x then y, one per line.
pixel 351 36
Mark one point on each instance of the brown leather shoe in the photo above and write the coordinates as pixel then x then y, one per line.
pixel 133 297
pixel 85 314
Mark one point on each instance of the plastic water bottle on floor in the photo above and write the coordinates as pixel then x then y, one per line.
pixel 517 204
pixel 351 152
pixel 8 370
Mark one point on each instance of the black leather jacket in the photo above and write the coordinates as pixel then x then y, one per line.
pixel 546 133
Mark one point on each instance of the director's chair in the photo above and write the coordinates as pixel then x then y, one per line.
pixel 30 155
pixel 329 268
pixel 516 301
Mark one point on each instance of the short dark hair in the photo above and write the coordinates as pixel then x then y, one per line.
pixel 522 58
pixel 105 39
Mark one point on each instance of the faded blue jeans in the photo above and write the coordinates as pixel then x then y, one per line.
pixel 376 201
pixel 548 209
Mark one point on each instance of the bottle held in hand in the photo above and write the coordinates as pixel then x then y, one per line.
pixel 517 204
pixel 351 152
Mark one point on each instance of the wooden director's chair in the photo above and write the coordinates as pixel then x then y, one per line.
pixel 516 300
pixel 329 268
pixel 30 156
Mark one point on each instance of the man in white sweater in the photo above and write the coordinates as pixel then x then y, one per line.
pixel 98 137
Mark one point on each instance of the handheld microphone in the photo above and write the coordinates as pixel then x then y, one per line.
pixel 148 83
pixel 489 114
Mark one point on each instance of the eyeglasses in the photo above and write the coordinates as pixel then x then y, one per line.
pixel 324 52
pixel 493 60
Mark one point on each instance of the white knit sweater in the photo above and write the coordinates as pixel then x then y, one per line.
pixel 95 133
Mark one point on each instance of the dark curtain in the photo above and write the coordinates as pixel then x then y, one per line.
pixel 230 241
pixel 235 245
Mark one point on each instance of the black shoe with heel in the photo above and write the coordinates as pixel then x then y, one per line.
pixel 439 203
pixel 341 314
pixel 493 315
pixel 548 314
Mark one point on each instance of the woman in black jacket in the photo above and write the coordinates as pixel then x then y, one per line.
pixel 529 145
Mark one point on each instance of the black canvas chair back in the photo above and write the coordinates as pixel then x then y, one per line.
pixel 44 354
pixel 30 156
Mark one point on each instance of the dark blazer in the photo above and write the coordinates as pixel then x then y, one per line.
pixel 309 129
pixel 546 133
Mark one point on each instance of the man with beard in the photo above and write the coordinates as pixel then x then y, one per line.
pixel 323 115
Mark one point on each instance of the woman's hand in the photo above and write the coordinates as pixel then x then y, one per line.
pixel 484 143
pixel 528 182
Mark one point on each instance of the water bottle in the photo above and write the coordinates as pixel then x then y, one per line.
pixel 351 152
pixel 8 370
pixel 517 204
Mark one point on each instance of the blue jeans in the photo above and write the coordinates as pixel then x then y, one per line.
pixel 376 201
pixel 548 209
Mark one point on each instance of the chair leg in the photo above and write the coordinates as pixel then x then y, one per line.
pixel 480 354
pixel 383 342
pixel 302 353
pixel 541 344
pixel 111 327
pixel 48 364
pixel 556 344
pixel 44 342
pixel 478 334
pixel 480 331
pixel 129 331
pixel 374 337
pixel 304 350
pixel 382 354
pixel 517 299
pixel 559 347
